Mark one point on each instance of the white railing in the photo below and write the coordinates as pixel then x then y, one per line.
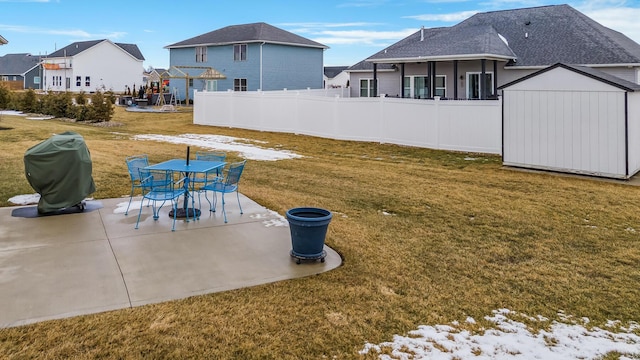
pixel 470 126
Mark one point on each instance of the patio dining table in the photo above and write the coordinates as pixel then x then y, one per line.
pixel 187 168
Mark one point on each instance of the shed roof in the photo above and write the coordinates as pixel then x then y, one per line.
pixel 18 64
pixel 246 33
pixel 586 71
pixel 80 46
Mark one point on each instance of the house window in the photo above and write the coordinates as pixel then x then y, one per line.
pixel 239 84
pixel 474 90
pixel 190 82
pixel 36 80
pixel 239 52
pixel 87 81
pixel 201 54
pixel 5 78
pixel 366 88
pixel 211 85
pixel 418 86
pixel 441 86
pixel 78 80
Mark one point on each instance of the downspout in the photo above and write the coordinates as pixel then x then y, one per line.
pixel 264 42
pixel 375 80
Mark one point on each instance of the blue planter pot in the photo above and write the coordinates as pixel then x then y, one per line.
pixel 308 230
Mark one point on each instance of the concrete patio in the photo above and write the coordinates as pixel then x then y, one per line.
pixel 74 264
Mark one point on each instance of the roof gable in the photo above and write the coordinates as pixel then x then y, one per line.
pixel 80 46
pixel 256 32
pixel 18 64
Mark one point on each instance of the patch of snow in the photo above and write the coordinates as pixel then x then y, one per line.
pixel 12 112
pixel 511 339
pixel 25 199
pixel 272 219
pixel 224 143
pixel 39 117
pixel 122 207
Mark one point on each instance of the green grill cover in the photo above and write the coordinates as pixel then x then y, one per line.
pixel 59 169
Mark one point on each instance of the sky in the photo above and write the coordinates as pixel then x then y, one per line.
pixel 352 29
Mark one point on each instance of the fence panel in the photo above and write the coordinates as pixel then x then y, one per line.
pixel 471 126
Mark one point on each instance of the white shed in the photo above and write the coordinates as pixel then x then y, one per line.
pixel 572 119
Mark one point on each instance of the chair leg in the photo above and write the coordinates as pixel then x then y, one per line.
pixel 139 213
pixel 224 212
pixel 126 212
pixel 239 205
pixel 175 211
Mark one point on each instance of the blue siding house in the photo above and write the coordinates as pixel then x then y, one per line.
pixel 21 68
pixel 250 57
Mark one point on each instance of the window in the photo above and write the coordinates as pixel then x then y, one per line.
pixel 441 86
pixel 212 85
pixel 239 52
pixel 190 82
pixel 201 54
pixel 78 80
pixel 239 84
pixel 36 80
pixel 418 86
pixel 87 81
pixel 474 90
pixel 366 88
pixel 5 78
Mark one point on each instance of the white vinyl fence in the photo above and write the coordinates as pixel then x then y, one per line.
pixel 470 126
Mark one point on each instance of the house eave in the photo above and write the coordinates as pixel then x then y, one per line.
pixel 246 42
pixel 540 67
pixel 441 58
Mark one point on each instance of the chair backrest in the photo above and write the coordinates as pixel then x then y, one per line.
pixel 211 155
pixel 234 173
pixel 135 163
pixel 156 180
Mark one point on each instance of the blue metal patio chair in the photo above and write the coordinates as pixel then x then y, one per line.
pixel 134 164
pixel 225 185
pixel 200 179
pixel 159 185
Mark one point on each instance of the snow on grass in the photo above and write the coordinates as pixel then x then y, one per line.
pixel 25 199
pixel 511 339
pixel 224 143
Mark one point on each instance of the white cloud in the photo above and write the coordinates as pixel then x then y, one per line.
pixel 361 37
pixel 622 19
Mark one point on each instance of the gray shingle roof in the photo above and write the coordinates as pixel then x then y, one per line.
pixel 245 33
pixel 453 42
pixel 17 64
pixel 586 71
pixel 80 46
pixel 538 36
pixel 368 66
pixel 551 34
pixel 332 71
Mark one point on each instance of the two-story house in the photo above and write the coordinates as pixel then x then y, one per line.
pixel 250 57
pixel 93 65
pixel 472 59
pixel 21 71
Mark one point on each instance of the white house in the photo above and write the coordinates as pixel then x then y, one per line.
pixel 93 65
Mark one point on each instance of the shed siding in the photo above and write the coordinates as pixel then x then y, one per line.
pixel 633 120
pixel 574 131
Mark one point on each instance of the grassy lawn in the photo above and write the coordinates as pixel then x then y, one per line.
pixel 427 237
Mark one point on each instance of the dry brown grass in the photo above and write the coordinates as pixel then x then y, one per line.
pixel 427 237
